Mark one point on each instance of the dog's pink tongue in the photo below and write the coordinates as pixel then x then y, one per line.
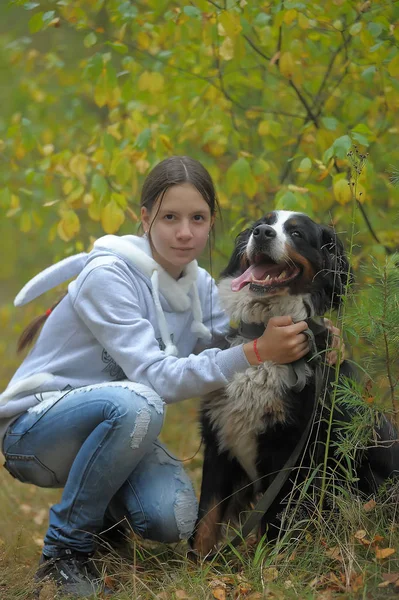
pixel 258 272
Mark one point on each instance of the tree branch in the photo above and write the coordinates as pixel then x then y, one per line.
pixel 254 47
pixel 303 101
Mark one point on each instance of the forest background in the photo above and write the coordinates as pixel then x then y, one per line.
pixel 269 96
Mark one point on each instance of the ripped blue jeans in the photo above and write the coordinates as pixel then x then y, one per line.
pixel 100 444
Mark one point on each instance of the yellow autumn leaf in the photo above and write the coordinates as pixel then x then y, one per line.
pixel 360 191
pixel 14 201
pixel 152 82
pixel 250 186
pixel 393 67
pixel 101 92
pixel 94 211
pixel 112 217
pixel 264 128
pixel 219 593
pixel 47 149
pixel 142 165
pixel 143 40
pixel 166 141
pixel 342 191
pixel 286 65
pixel 25 222
pixel 74 198
pixel 78 166
pixel 303 21
pixel 231 23
pixel 67 186
pixel 88 199
pixel 290 16
pixel 114 131
pixel 382 553
pixel 69 225
pixel 226 50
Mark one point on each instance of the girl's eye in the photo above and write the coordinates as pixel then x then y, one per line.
pixel 169 217
pixel 296 233
pixel 199 218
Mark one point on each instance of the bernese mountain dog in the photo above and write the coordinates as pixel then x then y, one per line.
pixel 285 264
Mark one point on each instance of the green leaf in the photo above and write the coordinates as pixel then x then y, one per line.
pixel 375 29
pixel 342 146
pixel 118 47
pixel 356 28
pixel 330 123
pixel 143 139
pixel 99 186
pixel 48 17
pixel 368 74
pixel 90 39
pixel 36 22
pixel 40 20
pixel 236 175
pixel 287 201
pixel 192 11
pixel 262 19
pixel 31 5
pixel 358 137
pixel 305 165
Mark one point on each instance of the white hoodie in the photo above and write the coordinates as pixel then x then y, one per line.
pixel 124 317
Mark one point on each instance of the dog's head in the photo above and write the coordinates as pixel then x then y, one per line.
pixel 286 253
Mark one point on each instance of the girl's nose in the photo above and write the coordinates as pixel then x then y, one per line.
pixel 184 231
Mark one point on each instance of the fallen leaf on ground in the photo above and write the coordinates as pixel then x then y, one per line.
pixel 110 582
pixel 334 553
pixel 377 539
pixel 361 534
pixel 219 593
pixel 181 595
pixel 356 582
pixel 384 552
pixel 270 574
pixel 369 506
pixel 390 577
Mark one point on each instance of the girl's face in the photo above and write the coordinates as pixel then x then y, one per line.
pixel 179 230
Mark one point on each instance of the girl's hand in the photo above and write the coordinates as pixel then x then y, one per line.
pixel 336 342
pixel 282 342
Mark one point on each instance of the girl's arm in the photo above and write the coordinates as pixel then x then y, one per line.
pixel 109 306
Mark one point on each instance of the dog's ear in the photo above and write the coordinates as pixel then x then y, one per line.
pixel 235 264
pixel 336 272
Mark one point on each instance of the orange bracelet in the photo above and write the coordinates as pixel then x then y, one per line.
pixel 257 351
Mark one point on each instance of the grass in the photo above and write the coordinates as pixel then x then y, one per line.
pixel 329 559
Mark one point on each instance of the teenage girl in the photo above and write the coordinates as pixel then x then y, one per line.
pixel 140 326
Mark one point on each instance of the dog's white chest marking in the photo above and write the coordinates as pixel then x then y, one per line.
pixel 253 400
pixel 250 403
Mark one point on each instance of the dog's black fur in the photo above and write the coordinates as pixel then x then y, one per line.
pixel 314 274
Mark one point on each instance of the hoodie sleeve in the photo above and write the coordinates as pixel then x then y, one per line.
pixel 109 305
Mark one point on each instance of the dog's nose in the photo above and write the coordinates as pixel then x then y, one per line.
pixel 264 233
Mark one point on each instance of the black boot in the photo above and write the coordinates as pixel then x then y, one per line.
pixel 73 573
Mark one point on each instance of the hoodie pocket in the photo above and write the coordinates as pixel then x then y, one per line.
pixel 29 469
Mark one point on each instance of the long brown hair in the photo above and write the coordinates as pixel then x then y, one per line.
pixel 30 332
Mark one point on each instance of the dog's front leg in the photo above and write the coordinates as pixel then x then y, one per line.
pixel 218 479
